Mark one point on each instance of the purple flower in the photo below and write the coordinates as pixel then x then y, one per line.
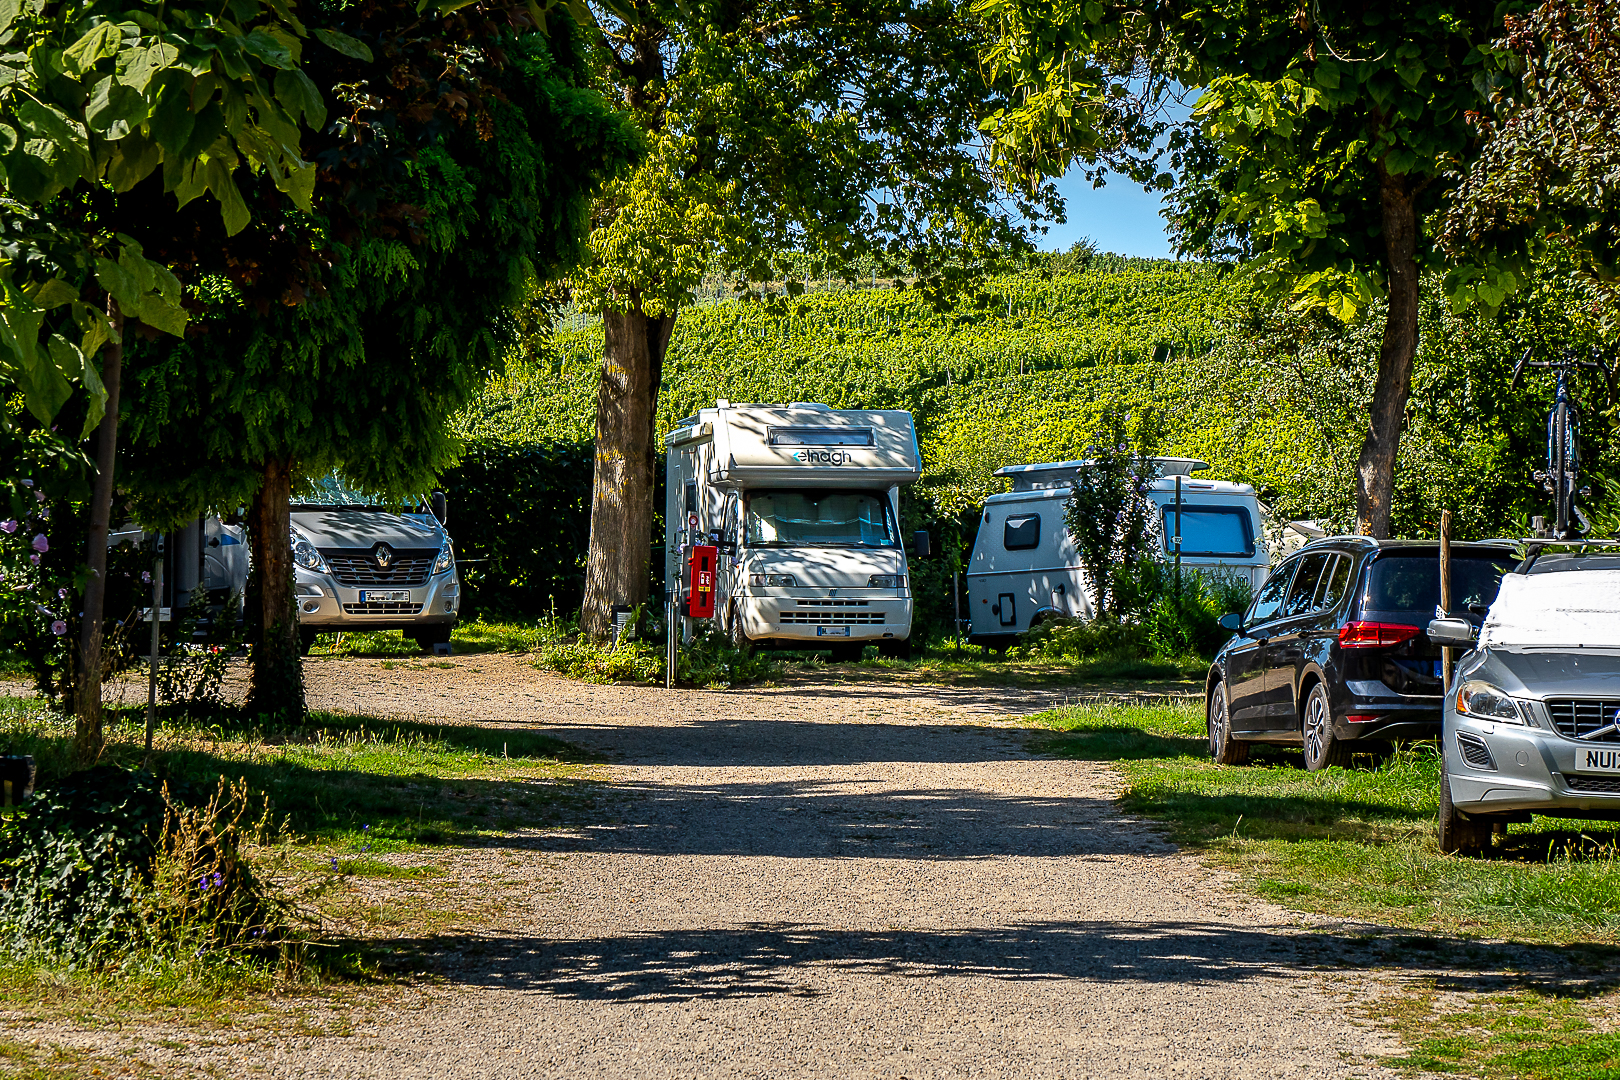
pixel 40 495
pixel 58 627
pixel 204 883
pixel 146 575
pixel 218 880
pixel 61 593
pixel 41 544
pixel 34 558
pixel 334 862
pixel 8 526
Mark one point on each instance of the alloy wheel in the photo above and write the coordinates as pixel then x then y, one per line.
pixel 1217 720
pixel 1317 720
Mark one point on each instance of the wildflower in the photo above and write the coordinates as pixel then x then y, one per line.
pixel 334 862
pixel 34 558
pixel 61 593
pixel 41 544
pixel 39 495
pixel 58 627
pixel 204 883
pixel 201 951
pixel 218 880
pixel 45 514
pixel 8 526
pixel 146 575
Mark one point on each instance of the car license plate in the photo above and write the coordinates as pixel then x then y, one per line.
pixel 1597 759
pixel 372 596
pixel 832 631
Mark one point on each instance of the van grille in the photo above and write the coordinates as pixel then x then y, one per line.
pixel 357 568
pixel 1474 751
pixel 833 603
pixel 839 618
pixel 1593 784
pixel 1578 717
pixel 383 607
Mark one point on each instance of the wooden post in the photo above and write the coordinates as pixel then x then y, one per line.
pixel 1445 594
pixel 152 674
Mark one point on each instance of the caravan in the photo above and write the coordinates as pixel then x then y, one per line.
pixel 1024 568
pixel 803 503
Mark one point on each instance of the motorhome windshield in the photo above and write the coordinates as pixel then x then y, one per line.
pixel 819 519
pixel 1210 531
pixel 331 493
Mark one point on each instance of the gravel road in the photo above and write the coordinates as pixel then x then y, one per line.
pixel 839 878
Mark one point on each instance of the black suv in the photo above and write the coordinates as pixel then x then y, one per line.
pixel 1334 648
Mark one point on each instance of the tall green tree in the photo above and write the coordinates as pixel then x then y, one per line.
pixel 455 179
pixel 836 130
pixel 96 97
pixel 1323 138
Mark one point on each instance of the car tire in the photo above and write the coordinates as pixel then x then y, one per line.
pixel 1322 748
pixel 1217 720
pixel 1459 835
pixel 306 641
pixel 895 650
pixel 428 640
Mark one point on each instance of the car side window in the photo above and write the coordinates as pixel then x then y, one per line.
pixel 1335 583
pixel 1271 594
pixel 1303 593
pixel 1022 533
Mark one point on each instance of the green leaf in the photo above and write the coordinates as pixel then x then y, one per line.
pixel 50 123
pixel 54 293
pixel 300 97
pixel 118 281
pixel 135 69
pixel 159 313
pixel 133 161
pixel 88 51
pixel 20 320
pixel 340 42
pixel 94 388
pixel 8 138
pixel 9 10
pixel 208 127
pixel 232 208
pixel 267 48
pixel 299 185
pixel 172 120
pixel 110 102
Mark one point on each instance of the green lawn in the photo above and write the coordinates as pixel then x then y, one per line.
pixel 1360 842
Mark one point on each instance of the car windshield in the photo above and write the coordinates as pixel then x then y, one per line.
pixel 819 518
pixel 1210 531
pixel 1409 581
pixel 332 493
pixel 1550 609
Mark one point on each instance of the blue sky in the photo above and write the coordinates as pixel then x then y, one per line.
pixel 1121 218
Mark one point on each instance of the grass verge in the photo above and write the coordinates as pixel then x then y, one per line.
pixel 1360 843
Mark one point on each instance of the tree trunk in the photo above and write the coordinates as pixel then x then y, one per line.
pixel 620 551
pixel 1375 471
pixel 277 682
pixel 87 738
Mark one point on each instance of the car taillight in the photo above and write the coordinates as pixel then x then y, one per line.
pixel 1375 635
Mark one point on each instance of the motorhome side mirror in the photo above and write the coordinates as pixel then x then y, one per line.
pixel 1452 632
pixel 920 544
pixel 441 508
pixel 1232 622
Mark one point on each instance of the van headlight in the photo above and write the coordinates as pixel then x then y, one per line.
pixel 446 559
pixel 886 581
pixel 1481 699
pixel 305 555
pixel 772 581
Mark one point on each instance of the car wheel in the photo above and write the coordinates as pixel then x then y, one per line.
pixel 1459 835
pixel 1217 716
pixel 1322 749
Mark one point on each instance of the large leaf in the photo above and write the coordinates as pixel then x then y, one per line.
pixel 133 162
pixel 52 124
pixel 162 315
pixel 101 41
pixel 112 101
pixel 172 121
pixel 124 286
pixel 54 293
pixel 267 48
pixel 20 320
pixel 232 208
pixel 300 97
pixel 135 69
pixel 299 184
pixel 9 10
pixel 340 42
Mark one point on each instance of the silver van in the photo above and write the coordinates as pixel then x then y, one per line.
pixel 362 565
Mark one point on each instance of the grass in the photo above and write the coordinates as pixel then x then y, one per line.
pixel 467 637
pixel 1361 843
pixel 973 665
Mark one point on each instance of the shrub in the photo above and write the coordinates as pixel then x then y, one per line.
pixel 708 661
pixel 1172 623
pixel 1113 522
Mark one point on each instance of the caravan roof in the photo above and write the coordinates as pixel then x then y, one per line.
pixel 804 444
pixel 1057 474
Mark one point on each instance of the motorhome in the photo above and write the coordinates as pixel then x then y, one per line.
pixel 803 503
pixel 1025 569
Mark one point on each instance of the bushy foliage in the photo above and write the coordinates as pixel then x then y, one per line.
pixel 709 661
pixel 109 860
pixel 1169 621
pixel 192 672
pixel 1112 521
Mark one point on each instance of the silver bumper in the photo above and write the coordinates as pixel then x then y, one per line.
pixel 324 604
pixel 1534 770
pixel 882 617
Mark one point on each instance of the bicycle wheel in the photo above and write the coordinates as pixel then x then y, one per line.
pixel 1560 471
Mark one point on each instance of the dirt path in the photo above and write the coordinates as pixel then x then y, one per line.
pixel 866 879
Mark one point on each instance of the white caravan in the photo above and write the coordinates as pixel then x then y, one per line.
pixel 1024 566
pixel 803 501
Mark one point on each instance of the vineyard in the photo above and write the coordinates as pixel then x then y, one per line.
pixel 1024 371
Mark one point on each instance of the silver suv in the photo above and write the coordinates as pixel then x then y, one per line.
pixel 360 565
pixel 1532 720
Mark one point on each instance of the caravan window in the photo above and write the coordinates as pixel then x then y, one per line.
pixel 1022 533
pixel 820 436
pixel 819 518
pixel 1210 531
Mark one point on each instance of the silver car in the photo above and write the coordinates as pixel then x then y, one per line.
pixel 359 565
pixel 1532 720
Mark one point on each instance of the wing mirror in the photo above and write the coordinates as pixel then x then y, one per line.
pixel 441 507
pixel 920 544
pixel 1454 632
pixel 1232 622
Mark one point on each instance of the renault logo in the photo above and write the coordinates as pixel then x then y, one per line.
pixel 384 556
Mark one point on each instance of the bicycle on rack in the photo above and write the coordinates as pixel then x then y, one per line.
pixel 1561 478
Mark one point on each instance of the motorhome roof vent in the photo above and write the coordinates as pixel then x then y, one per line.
pixel 809 405
pixel 1057 474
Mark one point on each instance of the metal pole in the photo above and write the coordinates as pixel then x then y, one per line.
pixel 956 610
pixel 672 647
pixel 1445 594
pixel 152 674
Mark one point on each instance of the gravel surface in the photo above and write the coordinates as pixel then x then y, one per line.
pixel 861 877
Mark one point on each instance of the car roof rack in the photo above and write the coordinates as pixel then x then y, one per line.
pixel 1534 545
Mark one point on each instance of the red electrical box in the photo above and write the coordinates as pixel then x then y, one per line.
pixel 701 563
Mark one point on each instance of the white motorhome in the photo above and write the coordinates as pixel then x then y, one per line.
pixel 1024 568
pixel 803 501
